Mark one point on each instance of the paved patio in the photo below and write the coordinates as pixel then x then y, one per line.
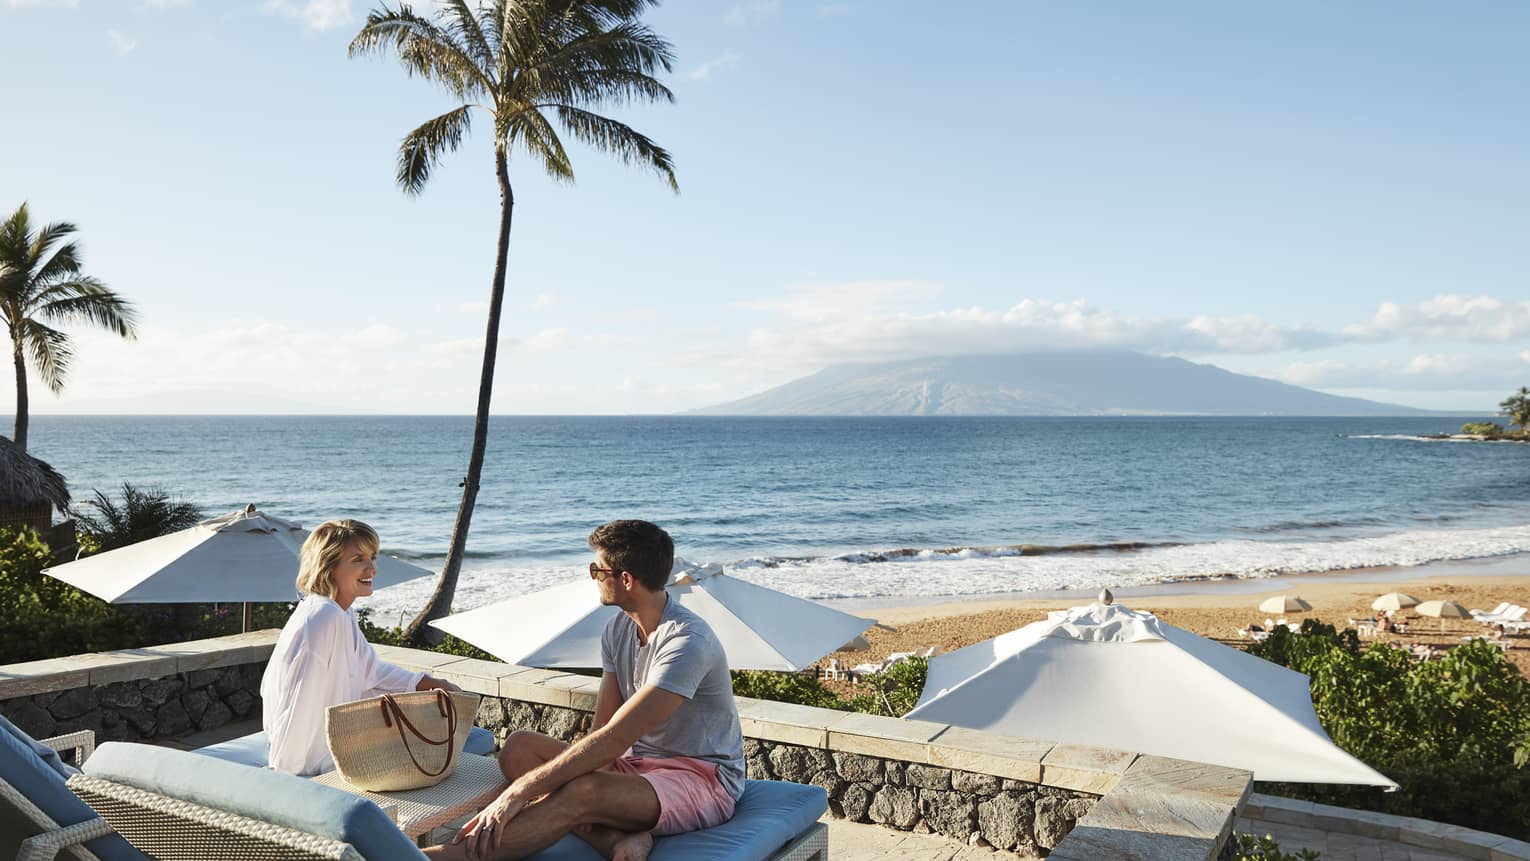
pixel 1341 847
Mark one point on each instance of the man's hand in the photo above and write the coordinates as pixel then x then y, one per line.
pixel 486 831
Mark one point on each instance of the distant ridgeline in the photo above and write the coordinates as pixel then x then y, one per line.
pixel 1045 384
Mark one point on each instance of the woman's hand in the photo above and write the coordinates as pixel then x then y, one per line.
pixel 486 831
pixel 428 683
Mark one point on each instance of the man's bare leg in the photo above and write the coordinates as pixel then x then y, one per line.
pixel 624 802
pixel 617 845
pixel 524 751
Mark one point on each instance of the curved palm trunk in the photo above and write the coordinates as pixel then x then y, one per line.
pixel 440 603
pixel 20 439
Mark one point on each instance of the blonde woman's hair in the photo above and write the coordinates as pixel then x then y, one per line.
pixel 322 552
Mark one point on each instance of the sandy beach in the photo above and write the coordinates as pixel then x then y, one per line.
pixel 1219 609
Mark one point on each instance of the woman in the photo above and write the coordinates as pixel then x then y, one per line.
pixel 321 658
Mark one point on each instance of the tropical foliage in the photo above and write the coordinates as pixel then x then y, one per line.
pixel 1248 847
pixel 42 286
pixel 143 513
pixel 1517 408
pixel 1454 732
pixel 46 618
pixel 532 66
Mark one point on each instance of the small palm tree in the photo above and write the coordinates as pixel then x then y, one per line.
pixel 143 514
pixel 525 63
pixel 1517 408
pixel 40 286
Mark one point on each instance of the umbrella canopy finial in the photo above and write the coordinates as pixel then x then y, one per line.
pixel 1107 598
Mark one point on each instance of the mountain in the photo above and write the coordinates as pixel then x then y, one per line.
pixel 1044 384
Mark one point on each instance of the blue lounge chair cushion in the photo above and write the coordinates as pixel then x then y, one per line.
pixel 768 816
pixel 42 783
pixel 280 799
pixel 47 754
pixel 255 749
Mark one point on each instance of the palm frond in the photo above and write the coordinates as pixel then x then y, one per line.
pixel 422 148
pixel 425 50
pixel 465 27
pixel 16 237
pixel 64 264
pixel 50 351
pixel 628 45
pixel 619 139
pixel 47 237
pixel 87 300
pixel 540 140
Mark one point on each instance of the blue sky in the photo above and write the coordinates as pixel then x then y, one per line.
pixel 1335 195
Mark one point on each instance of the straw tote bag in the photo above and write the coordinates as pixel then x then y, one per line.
pixel 400 741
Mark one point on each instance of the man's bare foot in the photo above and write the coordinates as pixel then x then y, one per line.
pixel 633 847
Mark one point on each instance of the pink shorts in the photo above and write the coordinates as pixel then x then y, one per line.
pixel 690 795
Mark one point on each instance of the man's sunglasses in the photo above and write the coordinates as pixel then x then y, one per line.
pixel 599 573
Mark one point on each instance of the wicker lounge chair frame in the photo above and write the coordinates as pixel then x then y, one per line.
pixel 54 838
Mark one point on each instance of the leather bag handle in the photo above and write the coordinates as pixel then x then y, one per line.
pixel 391 711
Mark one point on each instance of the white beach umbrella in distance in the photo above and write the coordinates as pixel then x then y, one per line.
pixel 1108 676
pixel 1284 604
pixel 1442 610
pixel 241 557
pixel 759 628
pixel 1394 601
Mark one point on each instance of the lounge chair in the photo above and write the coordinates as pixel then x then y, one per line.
pixel 178 806
pixel 1513 613
pixel 1493 612
pixel 39 817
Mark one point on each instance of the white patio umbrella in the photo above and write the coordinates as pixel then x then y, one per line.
pixel 1394 601
pixel 1284 604
pixel 241 557
pixel 1108 676
pixel 760 628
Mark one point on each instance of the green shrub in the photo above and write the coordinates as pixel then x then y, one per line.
pixel 892 692
pixel 1251 848
pixel 1454 733
pixel 46 618
pixel 1483 428
pixel 785 688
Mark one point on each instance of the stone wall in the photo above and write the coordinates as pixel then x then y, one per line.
pixel 143 709
pixel 975 808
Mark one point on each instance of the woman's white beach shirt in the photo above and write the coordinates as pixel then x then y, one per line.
pixel 321 660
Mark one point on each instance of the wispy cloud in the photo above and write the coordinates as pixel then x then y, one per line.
pixel 40 4
pixel 833 10
pixel 544 300
pixel 475 307
pixel 1424 372
pixel 122 43
pixel 704 71
pixel 317 14
pixel 751 12
pixel 845 299
pixel 164 4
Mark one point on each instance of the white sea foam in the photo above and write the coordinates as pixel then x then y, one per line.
pixel 976 571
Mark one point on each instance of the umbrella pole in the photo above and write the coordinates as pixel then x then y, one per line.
pixel 246 614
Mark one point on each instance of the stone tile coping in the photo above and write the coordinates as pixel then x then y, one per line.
pixel 1423 833
pixel 1151 807
pixel 149 662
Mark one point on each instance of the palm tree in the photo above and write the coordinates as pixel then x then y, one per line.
pixel 524 63
pixel 1517 408
pixel 40 286
pixel 143 514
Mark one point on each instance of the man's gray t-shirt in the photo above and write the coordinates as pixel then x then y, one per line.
pixel 683 657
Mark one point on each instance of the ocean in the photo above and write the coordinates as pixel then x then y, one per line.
pixel 863 508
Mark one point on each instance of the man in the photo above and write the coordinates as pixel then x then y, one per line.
pixel 665 754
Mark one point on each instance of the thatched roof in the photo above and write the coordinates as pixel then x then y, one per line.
pixel 26 481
